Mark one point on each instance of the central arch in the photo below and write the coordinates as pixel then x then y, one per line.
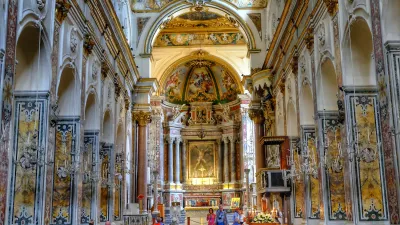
pixel 175 10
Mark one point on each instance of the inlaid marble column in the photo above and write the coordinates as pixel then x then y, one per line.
pixel 220 163
pixel 257 116
pixel 177 161
pixel 184 163
pixel 226 165
pixel 142 118
pixel 233 159
pixel 170 160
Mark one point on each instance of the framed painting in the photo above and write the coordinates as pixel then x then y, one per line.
pixel 202 159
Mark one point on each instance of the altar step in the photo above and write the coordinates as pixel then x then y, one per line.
pixel 168 219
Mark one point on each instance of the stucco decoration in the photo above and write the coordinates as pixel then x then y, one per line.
pixel 141 24
pixel 199 28
pixel 200 80
pixel 157 5
pixel 256 19
pixel 73 39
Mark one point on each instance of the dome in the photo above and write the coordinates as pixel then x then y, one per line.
pixel 200 80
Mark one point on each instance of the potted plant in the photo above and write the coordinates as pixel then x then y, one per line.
pixel 263 218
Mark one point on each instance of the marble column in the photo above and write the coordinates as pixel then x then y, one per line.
pixel 233 159
pixel 257 116
pixel 184 161
pixel 170 160
pixel 155 194
pixel 226 165
pixel 220 163
pixel 247 172
pixel 142 118
pixel 177 161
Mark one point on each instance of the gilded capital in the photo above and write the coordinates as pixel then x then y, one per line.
pixel 332 6
pixel 62 9
pixel 256 115
pixel 143 118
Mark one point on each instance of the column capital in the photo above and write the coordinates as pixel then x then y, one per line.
pixel 62 9
pixel 143 118
pixel 256 115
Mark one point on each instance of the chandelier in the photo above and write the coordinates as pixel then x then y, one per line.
pixel 361 147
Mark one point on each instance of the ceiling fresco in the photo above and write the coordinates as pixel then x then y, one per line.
pixel 157 5
pixel 200 81
pixel 199 28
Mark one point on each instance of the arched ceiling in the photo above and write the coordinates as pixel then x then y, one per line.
pixel 200 78
pixel 157 5
pixel 199 28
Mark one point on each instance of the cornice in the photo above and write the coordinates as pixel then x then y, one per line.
pixel 277 32
pixel 301 43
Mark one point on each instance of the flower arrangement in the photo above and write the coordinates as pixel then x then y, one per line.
pixel 263 218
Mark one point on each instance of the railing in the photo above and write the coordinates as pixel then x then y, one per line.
pixel 272 181
pixel 140 219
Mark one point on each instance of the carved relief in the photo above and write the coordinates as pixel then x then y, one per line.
pixel 74 39
pixel 302 64
pixel 41 4
pixel 321 34
pixel 309 38
pixel 332 6
pixel 95 70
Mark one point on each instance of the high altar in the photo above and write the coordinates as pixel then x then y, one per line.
pixel 202 118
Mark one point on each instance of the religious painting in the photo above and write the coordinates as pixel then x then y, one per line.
pixel 256 19
pixel 202 159
pixel 200 81
pixel 249 3
pixel 201 86
pixel 28 133
pixel 228 86
pixel 273 157
pixel 174 84
pixel 371 194
pixel 63 179
pixel 335 172
pixel 149 5
pixel 208 38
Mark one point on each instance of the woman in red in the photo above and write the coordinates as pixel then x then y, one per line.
pixel 211 217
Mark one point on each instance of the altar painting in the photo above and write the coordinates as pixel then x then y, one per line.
pixel 202 159
pixel 273 157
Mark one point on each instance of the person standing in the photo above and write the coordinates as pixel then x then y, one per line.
pixel 221 216
pixel 211 217
pixel 236 217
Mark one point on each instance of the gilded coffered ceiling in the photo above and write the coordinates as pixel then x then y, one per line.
pixel 199 28
pixel 157 5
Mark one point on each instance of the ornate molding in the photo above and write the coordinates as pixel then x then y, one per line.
pixel 256 115
pixel 104 70
pixel 143 118
pixel 41 4
pixel 309 38
pixel 88 43
pixel 62 9
pixel 332 6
